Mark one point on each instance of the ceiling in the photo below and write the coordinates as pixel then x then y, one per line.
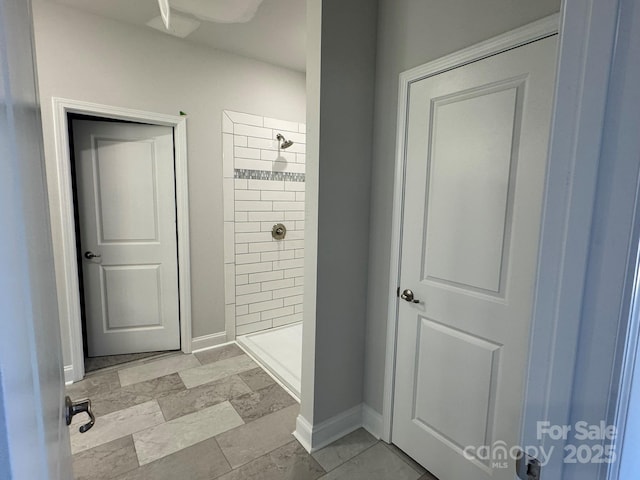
pixel 277 33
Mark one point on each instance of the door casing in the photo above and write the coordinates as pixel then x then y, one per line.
pixel 535 31
pixel 68 290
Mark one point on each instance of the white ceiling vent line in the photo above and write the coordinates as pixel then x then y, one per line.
pixel 181 26
pixel 219 11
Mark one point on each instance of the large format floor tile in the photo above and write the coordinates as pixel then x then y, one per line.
pixel 156 368
pixel 254 405
pixel 106 461
pixel 217 370
pixel 202 461
pixel 289 462
pixel 115 425
pixel 256 378
pixel 344 449
pixel 250 441
pixel 376 463
pixel 220 353
pixel 202 396
pixel 121 398
pixel 212 415
pixel 159 441
pixel 94 386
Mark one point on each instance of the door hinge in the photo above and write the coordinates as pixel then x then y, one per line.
pixel 398 292
pixel 528 467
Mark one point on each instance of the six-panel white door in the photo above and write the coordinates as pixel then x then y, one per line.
pixel 127 218
pixel 476 156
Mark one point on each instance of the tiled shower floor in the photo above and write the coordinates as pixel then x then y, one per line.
pixel 212 415
pixel 280 351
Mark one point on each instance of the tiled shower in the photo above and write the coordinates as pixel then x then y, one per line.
pixel 263 186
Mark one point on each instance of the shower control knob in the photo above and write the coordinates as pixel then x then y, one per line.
pixel 278 231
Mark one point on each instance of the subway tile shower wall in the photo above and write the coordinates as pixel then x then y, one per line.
pixel 263 185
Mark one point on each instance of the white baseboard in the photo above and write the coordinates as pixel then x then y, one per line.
pixel 371 421
pixel 68 374
pixel 208 341
pixel 320 435
pixel 303 432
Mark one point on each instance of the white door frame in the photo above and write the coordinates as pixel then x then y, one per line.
pixel 543 28
pixel 69 291
pixel 588 34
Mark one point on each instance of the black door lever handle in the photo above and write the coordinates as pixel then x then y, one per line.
pixel 74 408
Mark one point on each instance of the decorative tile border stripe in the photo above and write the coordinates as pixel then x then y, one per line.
pixel 267 175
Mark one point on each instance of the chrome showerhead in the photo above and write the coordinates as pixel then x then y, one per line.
pixel 284 143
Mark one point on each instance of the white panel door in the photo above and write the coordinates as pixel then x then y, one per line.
pixel 34 439
pixel 127 218
pixel 476 155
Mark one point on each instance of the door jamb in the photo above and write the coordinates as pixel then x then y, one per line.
pixel 69 292
pixel 542 28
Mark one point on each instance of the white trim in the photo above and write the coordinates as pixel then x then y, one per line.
pixel 588 29
pixel 68 374
pixel 372 421
pixel 61 200
pixel 540 29
pixel 315 437
pixel 207 342
pixel 302 432
pixel 629 373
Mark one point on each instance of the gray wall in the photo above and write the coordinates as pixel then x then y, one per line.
pixel 85 57
pixel 411 33
pixel 340 90
pixel 5 471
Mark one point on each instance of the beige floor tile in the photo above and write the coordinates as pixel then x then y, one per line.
pixel 202 396
pixel 250 441
pixel 290 462
pixel 375 463
pixel 202 461
pixel 125 397
pixel 156 368
pixel 217 370
pixel 256 378
pixel 93 385
pixel 105 461
pixel 344 449
pixel 254 405
pixel 219 353
pixel 167 438
pixel 115 425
